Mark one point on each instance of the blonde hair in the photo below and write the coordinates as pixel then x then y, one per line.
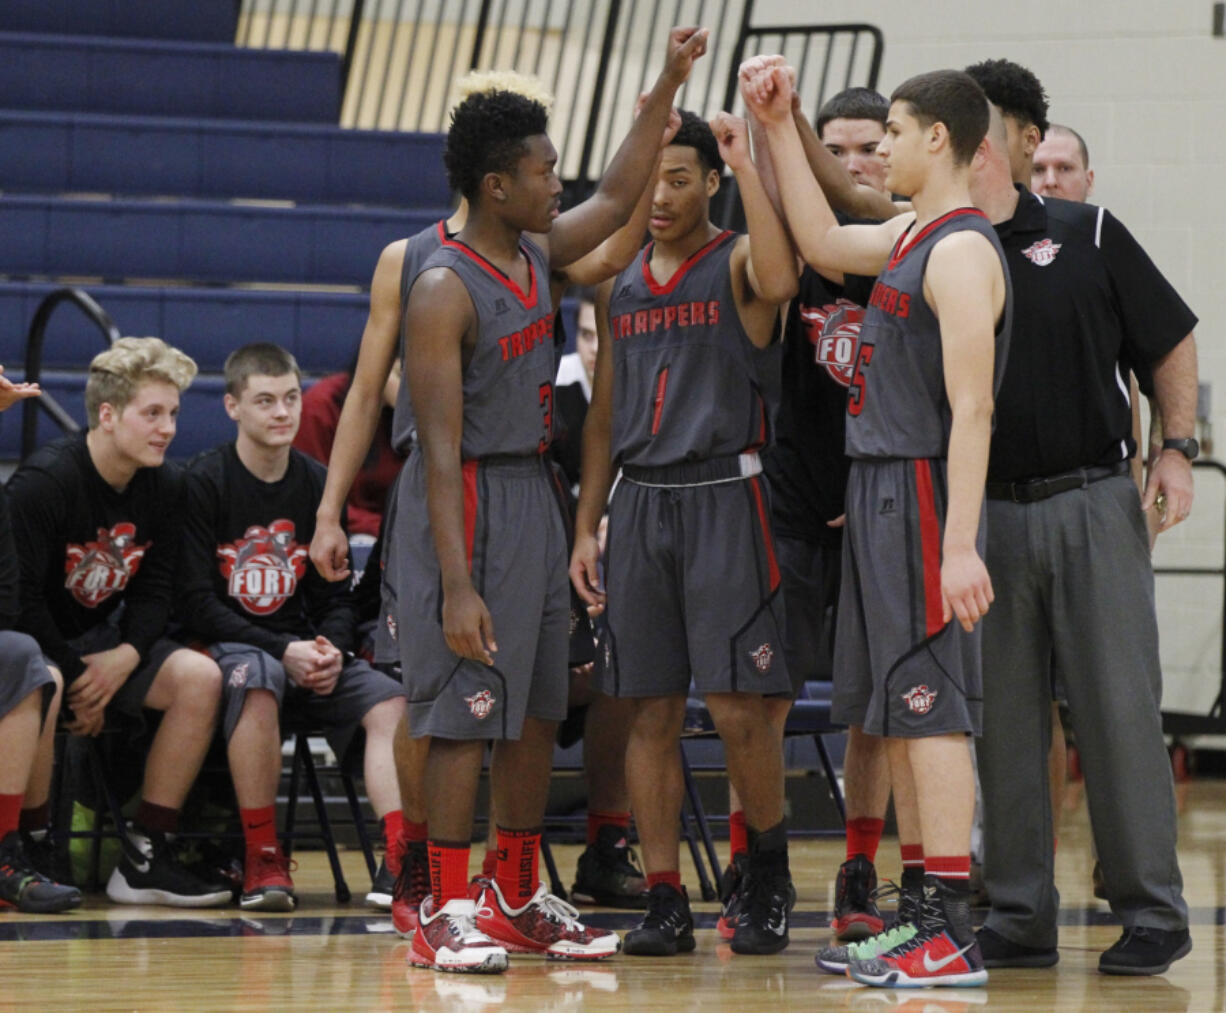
pixel 478 81
pixel 114 375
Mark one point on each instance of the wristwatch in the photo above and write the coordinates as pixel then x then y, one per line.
pixel 1186 446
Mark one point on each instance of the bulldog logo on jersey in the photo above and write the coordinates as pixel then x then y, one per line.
pixel 481 704
pixel 919 699
pixel 834 332
pixel 97 570
pixel 263 567
pixel 762 657
pixel 1041 253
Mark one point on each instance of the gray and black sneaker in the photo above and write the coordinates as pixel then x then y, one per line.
pixel 767 898
pixel 855 901
pixel 25 888
pixel 731 884
pixel 608 873
pixel 149 872
pixel 666 929
pixel 380 895
pixel 1142 950
pixel 897 930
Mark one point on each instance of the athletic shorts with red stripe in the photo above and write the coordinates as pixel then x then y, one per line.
pixel 694 588
pixel 516 550
pixel 898 669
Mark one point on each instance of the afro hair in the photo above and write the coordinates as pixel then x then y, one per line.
pixel 489 133
pixel 1014 89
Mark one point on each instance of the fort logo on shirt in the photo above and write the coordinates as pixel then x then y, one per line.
pixel 263 567
pixel 101 568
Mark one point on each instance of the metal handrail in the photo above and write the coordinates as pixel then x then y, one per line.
pixel 1180 722
pixel 34 360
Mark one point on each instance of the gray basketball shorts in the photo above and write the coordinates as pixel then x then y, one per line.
pixel 339 713
pixel 387 628
pixel 129 699
pixel 899 670
pixel 516 549
pixel 22 671
pixel 694 591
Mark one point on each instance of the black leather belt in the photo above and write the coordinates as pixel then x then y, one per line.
pixel 1035 489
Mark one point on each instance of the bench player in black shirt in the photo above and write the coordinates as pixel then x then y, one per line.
pixel 282 635
pixel 96 522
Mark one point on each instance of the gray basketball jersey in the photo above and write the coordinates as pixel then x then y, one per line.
pixel 896 403
pixel 688 384
pixel 508 381
pixel 416 252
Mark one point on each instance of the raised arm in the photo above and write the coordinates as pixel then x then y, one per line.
pixel 583 227
pixel 964 283
pixel 763 265
pixel 438 316
pixel 360 414
pixel 597 466
pixel 1175 390
pixel 844 194
pixel 824 244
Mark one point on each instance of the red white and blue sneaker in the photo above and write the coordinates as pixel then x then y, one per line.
pixel 944 951
pixel 546 925
pixel 410 887
pixel 449 940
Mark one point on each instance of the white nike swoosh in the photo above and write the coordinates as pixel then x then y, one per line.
pixel 932 966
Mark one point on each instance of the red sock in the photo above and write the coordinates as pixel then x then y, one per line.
pixel 672 878
pixel 951 867
pixel 597 819
pixel 36 817
pixel 414 833
pixel 259 827
pixel 10 813
pixel 738 833
pixel 448 872
pixel 393 827
pixel 489 863
pixel 157 817
pixel 863 836
pixel 912 856
pixel 518 859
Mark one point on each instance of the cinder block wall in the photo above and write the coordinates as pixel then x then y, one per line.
pixel 1145 84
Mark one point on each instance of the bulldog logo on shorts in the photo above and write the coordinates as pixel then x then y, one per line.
pixel 238 676
pixel 481 704
pixel 762 658
pixel 919 699
pixel 263 567
pixel 393 628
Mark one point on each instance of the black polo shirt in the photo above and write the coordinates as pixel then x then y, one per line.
pixel 1088 304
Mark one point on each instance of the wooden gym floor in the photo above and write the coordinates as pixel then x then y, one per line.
pixel 332 957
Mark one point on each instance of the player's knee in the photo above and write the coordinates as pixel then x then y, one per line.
pixel 195 680
pixel 384 718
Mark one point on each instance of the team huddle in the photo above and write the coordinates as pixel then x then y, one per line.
pixel 899 398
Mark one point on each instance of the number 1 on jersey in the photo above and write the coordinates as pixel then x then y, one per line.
pixel 546 402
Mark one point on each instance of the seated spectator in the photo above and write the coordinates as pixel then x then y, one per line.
pixel 104 508
pixel 321 411
pixel 573 391
pixel 29 704
pixel 282 635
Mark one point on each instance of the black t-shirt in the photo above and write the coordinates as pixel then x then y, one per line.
pixel 10 570
pixel 84 549
pixel 807 466
pixel 246 576
pixel 1088 305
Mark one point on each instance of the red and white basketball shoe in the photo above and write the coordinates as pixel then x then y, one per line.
pixel 449 940
pixel 546 925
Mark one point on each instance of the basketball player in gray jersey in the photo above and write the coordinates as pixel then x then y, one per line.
pixel 479 532
pixel 686 378
pixel 931 355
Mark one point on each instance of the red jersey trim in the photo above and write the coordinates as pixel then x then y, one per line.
pixel 469 471
pixel 654 287
pixel 527 301
pixel 658 407
pixel 896 257
pixel 772 564
pixel 930 548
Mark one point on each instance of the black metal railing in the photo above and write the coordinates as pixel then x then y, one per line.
pixel 34 361
pixel 400 58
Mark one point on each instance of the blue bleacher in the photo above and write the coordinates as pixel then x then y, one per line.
pixel 199 20
pixel 58 152
pixel 165 78
pixel 198 240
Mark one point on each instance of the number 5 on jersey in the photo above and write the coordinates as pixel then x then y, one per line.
pixel 855 391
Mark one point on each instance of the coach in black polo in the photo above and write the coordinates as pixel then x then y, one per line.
pixel 1068 554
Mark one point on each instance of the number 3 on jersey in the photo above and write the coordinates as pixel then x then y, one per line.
pixel 855 390
pixel 546 402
